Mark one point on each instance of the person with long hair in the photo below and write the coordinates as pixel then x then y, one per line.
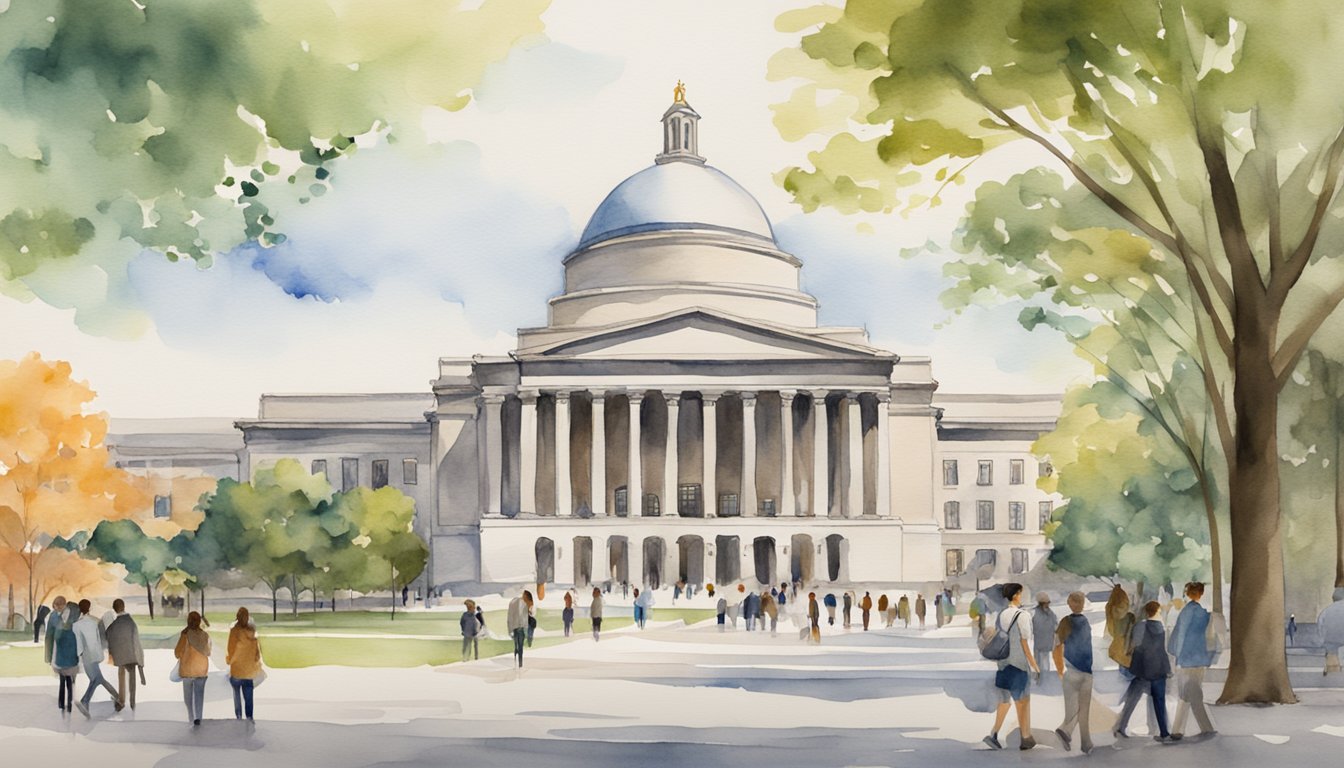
pixel 61 651
pixel 193 659
pixel 244 660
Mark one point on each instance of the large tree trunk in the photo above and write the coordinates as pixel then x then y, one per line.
pixel 1215 546
pixel 149 595
pixel 1258 672
pixel 1339 514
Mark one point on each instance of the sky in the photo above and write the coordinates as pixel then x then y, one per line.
pixel 445 251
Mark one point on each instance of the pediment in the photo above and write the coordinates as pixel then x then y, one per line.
pixel 700 335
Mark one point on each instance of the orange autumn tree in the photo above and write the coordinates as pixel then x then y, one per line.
pixel 56 480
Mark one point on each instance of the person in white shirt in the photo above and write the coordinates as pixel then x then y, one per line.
pixel 90 638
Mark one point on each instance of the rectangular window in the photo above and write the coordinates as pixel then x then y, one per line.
pixel 688 500
pixel 1019 563
pixel 1017 470
pixel 956 563
pixel 1017 516
pixel 984 515
pixel 410 470
pixel 986 474
pixel 986 558
pixel 1047 511
pixel 651 505
pixel 319 467
pixel 349 474
pixel 768 508
pixel 163 506
pixel 622 502
pixel 949 472
pixel 728 505
pixel 952 515
pixel 380 471
pixel 1047 469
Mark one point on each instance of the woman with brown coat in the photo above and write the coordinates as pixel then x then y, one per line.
pixel 193 660
pixel 244 660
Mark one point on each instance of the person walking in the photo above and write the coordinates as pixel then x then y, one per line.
pixel 567 613
pixel 1073 661
pixel 751 609
pixel 532 619
pixel 43 611
pixel 595 613
pixel 1043 625
pixel 847 607
pixel 1190 645
pixel 645 600
pixel 903 611
pixel 1150 666
pixel 1291 629
pixel 882 609
pixel 814 616
pixel 1011 681
pixel 123 645
pixel 921 609
pixel 520 610
pixel 193 664
pixel 471 628
pixel 244 659
pixel 91 640
pixel 61 650
pixel 769 609
pixel 866 606
pixel 637 610
pixel 722 612
pixel 830 602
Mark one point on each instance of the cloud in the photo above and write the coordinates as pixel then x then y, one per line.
pixel 543 75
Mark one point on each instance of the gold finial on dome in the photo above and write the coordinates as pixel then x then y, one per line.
pixel 679 93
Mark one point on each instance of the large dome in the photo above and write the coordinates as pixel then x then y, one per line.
pixel 677 196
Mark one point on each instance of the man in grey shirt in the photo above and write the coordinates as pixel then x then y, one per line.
pixel 123 645
pixel 1011 681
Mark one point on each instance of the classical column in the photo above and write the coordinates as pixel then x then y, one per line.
pixel 564 496
pixel 820 456
pixel 670 491
pixel 527 445
pixel 494 452
pixel 710 437
pixel 787 501
pixel 883 455
pixel 748 454
pixel 634 491
pixel 854 506
pixel 598 502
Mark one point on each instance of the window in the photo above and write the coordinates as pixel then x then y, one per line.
pixel 379 474
pixel 319 467
pixel 687 128
pixel 1047 511
pixel 956 562
pixel 1017 516
pixel 1019 561
pixel 986 475
pixel 1017 470
pixel 728 505
pixel 688 500
pixel 622 502
pixel 410 469
pixel 949 471
pixel 952 515
pixel 1047 469
pixel 349 474
pixel 651 505
pixel 986 558
pixel 984 515
pixel 163 506
pixel 768 508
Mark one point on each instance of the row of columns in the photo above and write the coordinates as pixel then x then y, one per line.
pixel 493 448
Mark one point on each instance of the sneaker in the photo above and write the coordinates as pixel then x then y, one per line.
pixel 118 706
pixel 83 708
pixel 1064 739
pixel 1119 733
pixel 195 723
pixel 1177 736
pixel 1160 739
pixel 1027 743
pixel 993 741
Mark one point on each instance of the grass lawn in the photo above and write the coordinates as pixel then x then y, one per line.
pixel 293 652
pixel 22 662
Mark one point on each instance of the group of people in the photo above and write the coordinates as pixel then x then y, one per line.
pixel 1138 644
pixel 77 641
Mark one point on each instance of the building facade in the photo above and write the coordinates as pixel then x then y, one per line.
pixel 682 415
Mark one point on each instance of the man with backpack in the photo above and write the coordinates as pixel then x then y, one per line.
pixel 1073 660
pixel 1008 646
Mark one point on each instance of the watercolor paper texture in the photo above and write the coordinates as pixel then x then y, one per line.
pixel 426 382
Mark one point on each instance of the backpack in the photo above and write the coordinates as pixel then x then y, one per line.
pixel 995 645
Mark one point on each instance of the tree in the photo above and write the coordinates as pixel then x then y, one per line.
pixel 186 128
pixel 144 557
pixel 56 480
pixel 385 520
pixel 1314 447
pixel 1205 131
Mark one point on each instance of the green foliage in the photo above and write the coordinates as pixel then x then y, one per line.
pixel 126 126
pixel 145 557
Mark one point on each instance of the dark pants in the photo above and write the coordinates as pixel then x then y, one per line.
pixel 65 699
pixel 126 677
pixel 242 696
pixel 519 637
pixel 597 626
pixel 865 620
pixel 470 645
pixel 1155 688
pixel 96 679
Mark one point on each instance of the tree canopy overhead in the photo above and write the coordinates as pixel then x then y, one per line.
pixel 1196 143
pixel 179 127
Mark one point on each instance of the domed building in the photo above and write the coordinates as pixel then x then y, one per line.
pixel 682 415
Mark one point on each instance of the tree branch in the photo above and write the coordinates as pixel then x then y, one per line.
pixel 1295 343
pixel 1282 280
pixel 1227 210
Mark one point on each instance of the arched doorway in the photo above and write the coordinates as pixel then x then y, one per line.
pixel 654 552
pixel 837 550
pixel 583 561
pixel 618 557
pixel 545 551
pixel 801 558
pixel 691 559
pixel 763 549
pixel 727 561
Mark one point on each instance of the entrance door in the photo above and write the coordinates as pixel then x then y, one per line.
pixel 545 551
pixel 653 562
pixel 764 551
pixel 801 558
pixel 618 557
pixel 583 561
pixel 691 560
pixel 727 562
